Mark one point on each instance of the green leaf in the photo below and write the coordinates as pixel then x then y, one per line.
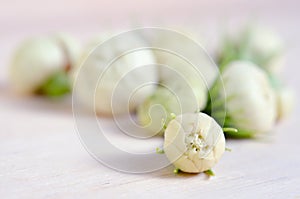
pixel 56 85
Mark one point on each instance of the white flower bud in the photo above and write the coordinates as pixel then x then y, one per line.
pixel 70 47
pixel 156 110
pixel 285 102
pixel 194 142
pixel 177 74
pixel 256 44
pixel 266 46
pixel 37 59
pixel 197 68
pixel 250 100
pixel 111 86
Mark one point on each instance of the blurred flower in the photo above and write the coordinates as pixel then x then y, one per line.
pixel 256 44
pixel 285 97
pixel 40 65
pixel 182 55
pixel 194 142
pixel 285 102
pixel 156 110
pixel 249 99
pixel 107 79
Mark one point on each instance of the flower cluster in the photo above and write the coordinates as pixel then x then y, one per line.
pixel 251 62
pixel 193 107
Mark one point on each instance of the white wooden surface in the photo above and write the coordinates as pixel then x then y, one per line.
pixel 41 155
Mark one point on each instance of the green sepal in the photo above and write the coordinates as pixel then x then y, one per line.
pixel 57 85
pixel 176 171
pixel 159 150
pixel 209 172
pixel 239 135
